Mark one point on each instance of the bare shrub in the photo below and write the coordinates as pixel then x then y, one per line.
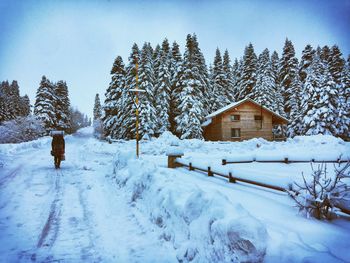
pixel 323 193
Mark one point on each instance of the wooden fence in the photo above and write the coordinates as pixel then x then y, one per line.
pixel 285 160
pixel 233 179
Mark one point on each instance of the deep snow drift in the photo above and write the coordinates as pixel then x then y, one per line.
pixel 202 226
pixel 185 205
pixel 105 205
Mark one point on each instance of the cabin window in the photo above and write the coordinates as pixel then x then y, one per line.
pixel 258 117
pixel 235 117
pixel 235 133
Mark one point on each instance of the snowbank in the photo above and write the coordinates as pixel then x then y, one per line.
pixel 202 226
pixel 300 148
pixel 14 148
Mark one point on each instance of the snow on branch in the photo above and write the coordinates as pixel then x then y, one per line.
pixel 322 193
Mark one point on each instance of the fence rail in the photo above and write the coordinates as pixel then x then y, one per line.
pixel 234 179
pixel 286 160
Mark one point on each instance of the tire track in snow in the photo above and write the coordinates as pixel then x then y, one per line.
pixel 49 233
pixel 9 177
pixel 91 249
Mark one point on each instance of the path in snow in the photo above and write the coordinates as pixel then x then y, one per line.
pixel 72 214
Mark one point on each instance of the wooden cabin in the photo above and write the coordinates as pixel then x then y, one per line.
pixel 242 120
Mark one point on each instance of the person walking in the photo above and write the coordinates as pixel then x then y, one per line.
pixel 58 148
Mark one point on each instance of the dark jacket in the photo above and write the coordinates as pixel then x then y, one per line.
pixel 58 145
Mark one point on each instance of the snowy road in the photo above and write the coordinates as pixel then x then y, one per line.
pixel 69 215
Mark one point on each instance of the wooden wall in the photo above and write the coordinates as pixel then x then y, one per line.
pixel 221 128
pixel 213 132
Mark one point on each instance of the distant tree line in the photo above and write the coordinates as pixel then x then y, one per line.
pixel 12 105
pixel 16 122
pixel 52 111
pixel 180 90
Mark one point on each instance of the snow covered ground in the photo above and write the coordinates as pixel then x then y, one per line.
pixel 106 206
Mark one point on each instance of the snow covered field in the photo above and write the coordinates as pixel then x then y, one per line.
pixel 106 206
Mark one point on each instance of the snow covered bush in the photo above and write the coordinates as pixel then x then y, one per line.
pixel 319 196
pixel 21 129
pixel 202 226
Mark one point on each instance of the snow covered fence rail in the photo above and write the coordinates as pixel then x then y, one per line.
pixel 285 160
pixel 229 175
pixel 282 186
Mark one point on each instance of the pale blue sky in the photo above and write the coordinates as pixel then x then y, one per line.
pixel 77 41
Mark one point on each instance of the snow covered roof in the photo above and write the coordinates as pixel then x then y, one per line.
pixel 237 103
pixel 206 123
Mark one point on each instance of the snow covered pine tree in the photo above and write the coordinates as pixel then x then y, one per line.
pixel 114 102
pixel 97 122
pixel 44 107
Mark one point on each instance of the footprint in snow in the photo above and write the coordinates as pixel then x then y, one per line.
pixel 86 168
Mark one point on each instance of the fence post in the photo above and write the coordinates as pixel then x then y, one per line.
pixel 210 173
pixel 223 161
pixel 230 178
pixel 172 161
pixel 174 152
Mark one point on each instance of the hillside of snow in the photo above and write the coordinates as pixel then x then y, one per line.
pixel 105 205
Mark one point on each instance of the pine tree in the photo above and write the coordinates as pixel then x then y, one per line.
pixel 156 63
pixel 148 112
pixel 263 91
pixel 275 65
pixel 279 107
pixel 163 87
pixel 14 98
pixel 191 106
pixel 236 78
pixel 336 67
pixel 98 126
pixel 319 112
pixel 218 92
pixel 248 75
pixel 229 79
pixel 203 72
pixel 115 96
pixel 97 112
pixel 44 107
pixel 97 108
pixel 288 71
pixel 3 108
pixel 344 102
pixel 336 64
pixel 305 62
pixel 128 114
pixel 11 106
pixel 6 112
pixel 325 54
pixel 175 75
pixel 295 103
pixel 62 105
pixel 24 106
